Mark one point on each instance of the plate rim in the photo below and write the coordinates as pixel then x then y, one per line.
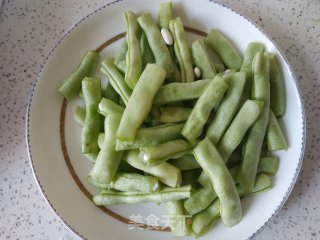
pixel 245 17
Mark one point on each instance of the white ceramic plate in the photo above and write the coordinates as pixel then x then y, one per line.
pixel 56 172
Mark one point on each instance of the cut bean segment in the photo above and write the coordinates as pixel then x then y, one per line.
pixel 182 50
pixel 164 195
pixel 92 95
pixel 157 44
pixel 148 137
pixel 186 162
pixel 252 146
pixel 268 165
pixel 199 200
pixel 108 159
pixel 165 172
pixel 178 220
pixel 275 138
pixel 223 47
pixel 246 116
pixel 228 107
pixel 107 107
pixel 120 60
pixel 72 85
pixel 210 98
pixel 134 54
pixel 131 182
pixel 152 156
pixel 147 55
pixel 277 87
pixel 140 102
pixel 210 160
pixel 202 60
pixel 111 94
pixel 116 79
pixel 165 14
pixel 178 92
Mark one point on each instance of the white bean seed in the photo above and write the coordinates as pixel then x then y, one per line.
pixel 197 72
pixel 166 35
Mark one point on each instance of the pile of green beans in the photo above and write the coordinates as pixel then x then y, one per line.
pixel 170 122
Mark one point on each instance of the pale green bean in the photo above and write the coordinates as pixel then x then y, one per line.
pixel 275 138
pixel 107 107
pixel 174 114
pixel 178 220
pixel 120 60
pixel 186 162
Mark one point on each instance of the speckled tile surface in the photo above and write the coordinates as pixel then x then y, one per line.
pixel 28 32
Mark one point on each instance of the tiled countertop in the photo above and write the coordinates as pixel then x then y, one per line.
pixel 28 32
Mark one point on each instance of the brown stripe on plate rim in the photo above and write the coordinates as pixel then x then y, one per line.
pixel 68 160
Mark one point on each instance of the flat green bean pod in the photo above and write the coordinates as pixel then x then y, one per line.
pixel 147 55
pixel 148 137
pixel 241 123
pixel 252 146
pixel 164 195
pixel 111 94
pixel 223 47
pixel 152 156
pixel 199 200
pixel 210 160
pixel 72 85
pixel 116 79
pixel 210 98
pixel 178 92
pixel 178 220
pixel 92 95
pixel 268 165
pixel 275 138
pixel 156 43
pixel 202 59
pixel 165 172
pixel 120 60
pixel 108 159
pixel 227 108
pixel 165 14
pixel 107 107
pixel 134 54
pixel 277 87
pixel 182 50
pixel 140 102
pixel 131 182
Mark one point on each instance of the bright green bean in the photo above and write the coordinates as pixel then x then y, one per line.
pixel 210 160
pixel 165 172
pixel 108 159
pixel 165 14
pixel 79 115
pixel 210 98
pixel 111 94
pixel 200 199
pixel 275 138
pixel 174 114
pixel 268 165
pixel 228 107
pixel 107 107
pixel 277 87
pixel 223 47
pixel 241 123
pixel 156 43
pixel 252 146
pixel 186 162
pixel 178 92
pixel 72 85
pixel 202 60
pixel 152 156
pixel 164 195
pixel 92 95
pixel 134 54
pixel 116 79
pixel 147 55
pixel 182 50
pixel 203 221
pixel 178 220
pixel 148 137
pixel 131 182
pixel 140 102
pixel 120 60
